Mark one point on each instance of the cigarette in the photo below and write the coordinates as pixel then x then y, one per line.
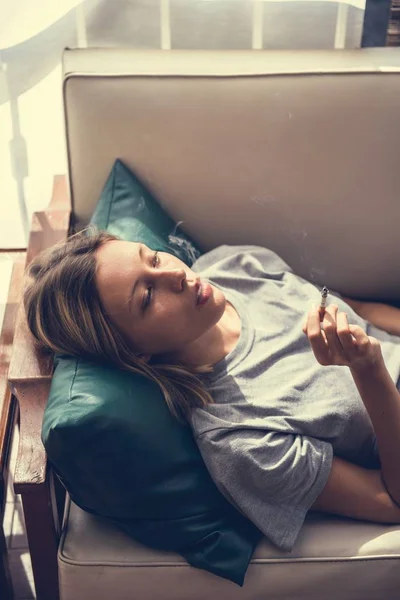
pixel 324 295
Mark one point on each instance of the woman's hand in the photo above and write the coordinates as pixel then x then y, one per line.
pixel 339 343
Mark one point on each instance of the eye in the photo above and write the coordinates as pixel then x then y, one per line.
pixel 155 263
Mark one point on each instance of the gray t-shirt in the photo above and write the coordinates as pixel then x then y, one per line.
pixel 279 416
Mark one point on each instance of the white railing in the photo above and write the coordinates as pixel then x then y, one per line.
pixel 165 24
pixel 258 17
pixel 341 20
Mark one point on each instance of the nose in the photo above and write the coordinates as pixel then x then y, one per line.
pixel 174 279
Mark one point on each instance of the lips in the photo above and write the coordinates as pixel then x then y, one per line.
pixel 198 292
pixel 203 293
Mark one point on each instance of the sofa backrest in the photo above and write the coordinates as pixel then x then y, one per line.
pixel 294 150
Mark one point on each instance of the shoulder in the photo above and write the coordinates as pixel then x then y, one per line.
pixel 232 255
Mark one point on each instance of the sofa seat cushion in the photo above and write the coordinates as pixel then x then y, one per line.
pixel 333 558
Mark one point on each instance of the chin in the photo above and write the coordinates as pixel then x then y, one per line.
pixel 220 302
pixel 217 293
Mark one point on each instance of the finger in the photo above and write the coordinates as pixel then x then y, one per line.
pixel 344 334
pixel 316 338
pixel 320 312
pixel 305 322
pixel 330 329
pixel 360 336
pixel 304 327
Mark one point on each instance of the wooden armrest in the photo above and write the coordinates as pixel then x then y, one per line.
pixel 7 402
pixel 51 225
pixel 29 378
pixel 60 196
pixel 31 368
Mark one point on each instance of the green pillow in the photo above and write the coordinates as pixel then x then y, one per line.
pixel 114 444
pixel 128 210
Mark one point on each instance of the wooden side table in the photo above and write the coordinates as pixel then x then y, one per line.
pixel 8 410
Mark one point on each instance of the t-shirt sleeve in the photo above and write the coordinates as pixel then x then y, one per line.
pixel 272 478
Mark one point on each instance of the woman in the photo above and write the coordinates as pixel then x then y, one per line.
pixel 227 342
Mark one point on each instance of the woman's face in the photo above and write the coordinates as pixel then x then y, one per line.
pixel 162 314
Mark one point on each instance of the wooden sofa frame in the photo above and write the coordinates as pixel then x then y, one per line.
pixel 8 409
pixel 29 379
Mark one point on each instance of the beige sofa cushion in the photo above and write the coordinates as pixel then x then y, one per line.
pixel 293 150
pixel 334 558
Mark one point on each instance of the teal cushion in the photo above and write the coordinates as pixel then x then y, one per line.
pixel 128 210
pixel 114 444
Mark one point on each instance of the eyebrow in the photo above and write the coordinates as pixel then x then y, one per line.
pixel 133 289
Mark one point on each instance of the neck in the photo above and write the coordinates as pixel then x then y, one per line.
pixel 213 345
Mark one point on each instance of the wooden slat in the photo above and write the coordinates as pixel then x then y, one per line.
pixel 31 368
pixel 8 407
pixel 48 227
pixel 7 331
pixel 31 464
pixel 28 363
pixel 7 402
pixel 43 542
pixel 60 196
pixel 29 378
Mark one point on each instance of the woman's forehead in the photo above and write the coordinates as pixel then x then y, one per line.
pixel 118 263
pixel 115 261
pixel 116 250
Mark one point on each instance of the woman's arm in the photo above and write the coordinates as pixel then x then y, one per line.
pixel 384 316
pixel 358 493
pixel 341 343
pixel 382 401
pixel 370 494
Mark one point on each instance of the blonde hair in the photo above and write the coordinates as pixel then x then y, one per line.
pixel 66 316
